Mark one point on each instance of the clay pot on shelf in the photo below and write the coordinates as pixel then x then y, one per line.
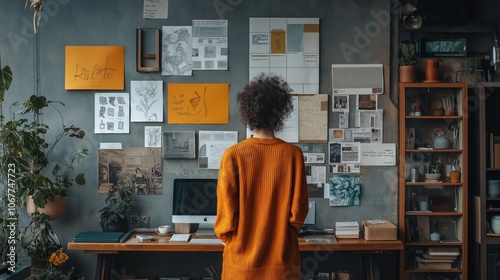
pixel 407 73
pixel 437 112
pixel 449 112
pixel 432 69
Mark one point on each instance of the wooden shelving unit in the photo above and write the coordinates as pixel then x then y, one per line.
pixel 447 212
pixel 485 247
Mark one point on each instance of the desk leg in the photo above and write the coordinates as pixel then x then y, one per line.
pixel 104 265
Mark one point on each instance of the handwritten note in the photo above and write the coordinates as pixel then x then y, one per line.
pixel 373 154
pixel 157 9
pixel 95 67
pixel 198 103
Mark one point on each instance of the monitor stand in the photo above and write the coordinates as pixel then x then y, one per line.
pixel 205 231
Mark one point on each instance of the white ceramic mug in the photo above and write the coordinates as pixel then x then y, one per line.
pixel 163 229
pixel 423 205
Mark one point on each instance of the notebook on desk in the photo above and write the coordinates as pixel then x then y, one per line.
pixel 101 237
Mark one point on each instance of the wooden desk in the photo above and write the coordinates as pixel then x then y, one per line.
pixel 105 251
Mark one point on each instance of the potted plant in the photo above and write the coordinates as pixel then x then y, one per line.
pixel 407 60
pixel 26 152
pixel 39 240
pixel 119 201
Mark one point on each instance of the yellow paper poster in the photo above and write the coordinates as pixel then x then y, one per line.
pixel 95 67
pixel 198 103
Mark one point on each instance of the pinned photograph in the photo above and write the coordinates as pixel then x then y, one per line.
pixel 340 103
pixel 366 102
pixel 179 144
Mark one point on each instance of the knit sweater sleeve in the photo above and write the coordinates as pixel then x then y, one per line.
pixel 300 201
pixel 227 198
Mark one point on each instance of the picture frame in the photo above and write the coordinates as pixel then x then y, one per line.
pixel 178 144
pixel 443 48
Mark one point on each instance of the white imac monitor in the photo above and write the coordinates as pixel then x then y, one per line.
pixel 195 202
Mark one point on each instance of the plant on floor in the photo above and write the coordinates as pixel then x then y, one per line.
pixel 119 202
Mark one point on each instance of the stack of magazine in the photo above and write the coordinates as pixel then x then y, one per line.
pixel 347 229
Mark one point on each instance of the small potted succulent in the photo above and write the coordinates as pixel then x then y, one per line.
pixel 407 60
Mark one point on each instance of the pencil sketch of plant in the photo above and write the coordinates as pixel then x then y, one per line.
pixel 147 96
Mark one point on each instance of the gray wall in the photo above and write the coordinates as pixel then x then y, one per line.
pixel 357 24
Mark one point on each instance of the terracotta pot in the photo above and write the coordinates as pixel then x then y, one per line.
pixel 54 209
pixel 432 69
pixel 407 74
pixel 438 112
pixel 449 112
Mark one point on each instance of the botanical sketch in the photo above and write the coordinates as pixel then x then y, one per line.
pixel 139 169
pixel 152 136
pixel 176 51
pixel 179 144
pixel 344 190
pixel 146 101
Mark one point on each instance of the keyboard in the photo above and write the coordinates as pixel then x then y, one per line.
pixel 205 241
pixel 180 237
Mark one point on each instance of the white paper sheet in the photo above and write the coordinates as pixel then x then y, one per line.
pixel 212 145
pixel 210 44
pixel 112 113
pixel 146 101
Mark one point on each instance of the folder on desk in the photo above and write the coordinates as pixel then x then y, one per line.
pixel 99 236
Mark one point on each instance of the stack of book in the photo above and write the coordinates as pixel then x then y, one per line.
pixel 346 229
pixel 438 258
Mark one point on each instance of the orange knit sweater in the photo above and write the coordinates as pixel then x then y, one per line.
pixel 261 202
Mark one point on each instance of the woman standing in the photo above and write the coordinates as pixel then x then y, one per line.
pixel 262 190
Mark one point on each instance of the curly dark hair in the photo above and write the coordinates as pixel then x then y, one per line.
pixel 265 102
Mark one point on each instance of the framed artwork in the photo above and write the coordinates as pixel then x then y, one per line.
pixel 139 169
pixel 179 144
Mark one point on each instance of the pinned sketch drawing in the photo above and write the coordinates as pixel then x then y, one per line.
pixel 111 113
pixel 176 51
pixel 152 136
pixel 198 103
pixel 344 190
pixel 146 101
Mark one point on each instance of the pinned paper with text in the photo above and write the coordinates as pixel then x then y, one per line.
pixel 156 9
pixel 377 154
